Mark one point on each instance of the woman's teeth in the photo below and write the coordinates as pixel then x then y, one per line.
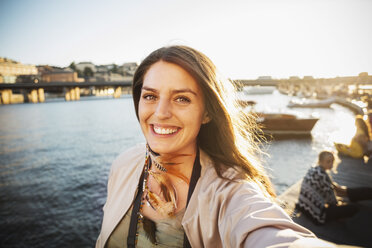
pixel 160 130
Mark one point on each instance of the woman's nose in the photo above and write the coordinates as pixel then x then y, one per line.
pixel 163 109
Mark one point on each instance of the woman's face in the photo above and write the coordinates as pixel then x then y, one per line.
pixel 171 109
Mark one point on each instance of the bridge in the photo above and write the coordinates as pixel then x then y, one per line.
pixel 260 82
pixel 34 92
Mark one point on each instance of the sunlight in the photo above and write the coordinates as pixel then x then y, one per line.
pixel 346 129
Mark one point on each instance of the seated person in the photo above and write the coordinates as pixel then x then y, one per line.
pixel 358 146
pixel 318 193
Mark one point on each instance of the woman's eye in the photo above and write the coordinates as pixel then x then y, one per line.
pixel 149 97
pixel 182 99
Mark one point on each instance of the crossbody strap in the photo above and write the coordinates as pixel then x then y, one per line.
pixel 131 240
pixel 196 170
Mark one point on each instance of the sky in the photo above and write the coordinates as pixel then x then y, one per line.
pixel 244 38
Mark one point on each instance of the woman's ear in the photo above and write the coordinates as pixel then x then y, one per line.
pixel 206 118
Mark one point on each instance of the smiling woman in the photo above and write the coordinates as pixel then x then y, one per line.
pixel 171 109
pixel 197 182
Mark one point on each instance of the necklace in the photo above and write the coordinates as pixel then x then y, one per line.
pixel 156 163
pixel 144 187
pixel 143 196
pixel 148 225
pixel 137 217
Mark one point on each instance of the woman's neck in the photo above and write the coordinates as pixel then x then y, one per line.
pixel 184 163
pixel 180 160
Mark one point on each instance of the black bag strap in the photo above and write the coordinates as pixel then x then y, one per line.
pixel 131 240
pixel 195 175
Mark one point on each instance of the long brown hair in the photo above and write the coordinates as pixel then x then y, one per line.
pixel 229 137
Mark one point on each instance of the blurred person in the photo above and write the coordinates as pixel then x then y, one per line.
pixel 318 195
pixel 358 147
pixel 198 181
pixel 370 120
pixel 369 123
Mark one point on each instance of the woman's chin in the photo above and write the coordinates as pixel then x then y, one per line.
pixel 160 148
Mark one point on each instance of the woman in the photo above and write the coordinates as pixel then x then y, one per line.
pixel 359 144
pixel 197 180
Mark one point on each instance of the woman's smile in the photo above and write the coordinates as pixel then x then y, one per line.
pixel 165 131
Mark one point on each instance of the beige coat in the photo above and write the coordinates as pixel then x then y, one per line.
pixel 220 213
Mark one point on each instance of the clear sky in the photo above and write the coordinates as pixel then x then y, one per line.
pixel 245 39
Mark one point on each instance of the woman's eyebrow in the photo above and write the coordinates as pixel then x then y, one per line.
pixel 183 91
pixel 173 91
pixel 149 89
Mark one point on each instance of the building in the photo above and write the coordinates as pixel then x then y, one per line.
pixel 61 76
pixel 264 78
pixel 53 74
pixel 129 68
pixel 10 69
pixel 81 66
pixel 107 68
pixel 102 69
pixel 308 78
pixel 110 77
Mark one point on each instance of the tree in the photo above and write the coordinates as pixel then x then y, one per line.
pixel 72 66
pixel 114 68
pixel 88 72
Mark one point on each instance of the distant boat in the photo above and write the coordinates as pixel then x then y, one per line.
pixel 285 124
pixel 252 90
pixel 306 103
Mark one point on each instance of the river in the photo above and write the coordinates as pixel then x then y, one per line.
pixel 55 158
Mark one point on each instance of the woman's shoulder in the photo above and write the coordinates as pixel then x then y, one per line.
pixel 231 178
pixel 229 185
pixel 129 157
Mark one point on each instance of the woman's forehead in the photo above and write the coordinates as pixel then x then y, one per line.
pixel 164 74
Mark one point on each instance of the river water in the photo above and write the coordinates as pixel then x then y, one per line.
pixel 55 158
